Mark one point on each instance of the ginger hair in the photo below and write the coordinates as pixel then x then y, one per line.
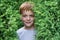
pixel 25 6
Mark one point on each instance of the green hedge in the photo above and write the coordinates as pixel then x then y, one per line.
pixel 47 19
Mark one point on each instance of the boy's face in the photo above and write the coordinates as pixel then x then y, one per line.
pixel 28 18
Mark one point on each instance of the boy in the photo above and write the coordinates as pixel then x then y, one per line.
pixel 27 32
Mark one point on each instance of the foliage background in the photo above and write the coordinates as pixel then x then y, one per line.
pixel 47 21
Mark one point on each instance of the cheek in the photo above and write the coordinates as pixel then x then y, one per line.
pixel 23 19
pixel 32 19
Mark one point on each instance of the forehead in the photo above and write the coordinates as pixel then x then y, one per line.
pixel 27 12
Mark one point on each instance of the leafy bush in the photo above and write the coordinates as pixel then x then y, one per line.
pixel 47 19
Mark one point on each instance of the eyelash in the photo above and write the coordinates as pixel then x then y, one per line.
pixel 31 15
pixel 26 16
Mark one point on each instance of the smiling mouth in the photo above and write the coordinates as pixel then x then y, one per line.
pixel 28 22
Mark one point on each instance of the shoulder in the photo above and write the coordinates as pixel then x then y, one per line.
pixel 20 30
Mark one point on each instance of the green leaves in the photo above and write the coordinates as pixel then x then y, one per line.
pixel 47 19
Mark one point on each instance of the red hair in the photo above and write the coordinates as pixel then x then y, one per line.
pixel 25 6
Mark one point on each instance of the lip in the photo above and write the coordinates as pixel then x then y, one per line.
pixel 28 22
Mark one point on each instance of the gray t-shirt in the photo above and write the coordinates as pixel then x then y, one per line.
pixel 24 34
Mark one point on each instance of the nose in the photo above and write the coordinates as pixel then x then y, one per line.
pixel 28 18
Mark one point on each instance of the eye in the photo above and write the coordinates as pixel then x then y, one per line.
pixel 24 15
pixel 32 15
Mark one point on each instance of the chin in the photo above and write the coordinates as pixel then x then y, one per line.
pixel 28 25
